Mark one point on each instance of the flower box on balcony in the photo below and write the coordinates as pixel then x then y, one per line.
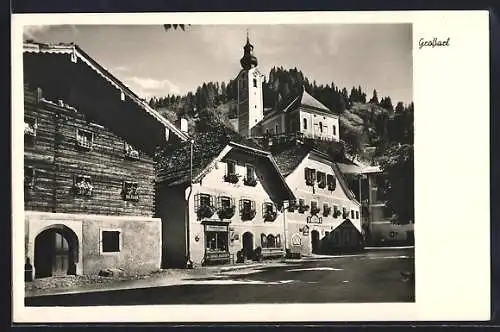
pixel 226 212
pixel 250 182
pixel 326 211
pixel 248 214
pixel 270 215
pixel 30 127
pixel 205 211
pixel 303 208
pixel 231 178
pixel 83 186
pixel 315 210
pixel 130 191
pixel 131 153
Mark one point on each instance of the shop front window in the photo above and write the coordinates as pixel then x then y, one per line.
pixel 217 241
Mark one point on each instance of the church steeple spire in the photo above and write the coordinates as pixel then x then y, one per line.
pixel 248 60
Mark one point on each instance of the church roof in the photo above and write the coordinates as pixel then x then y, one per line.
pixel 309 101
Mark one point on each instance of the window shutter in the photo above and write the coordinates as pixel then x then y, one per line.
pixel 196 201
pixel 252 204
pixel 264 205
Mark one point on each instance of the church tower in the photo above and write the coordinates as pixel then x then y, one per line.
pixel 250 102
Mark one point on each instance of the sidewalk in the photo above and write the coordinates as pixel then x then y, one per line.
pixel 166 277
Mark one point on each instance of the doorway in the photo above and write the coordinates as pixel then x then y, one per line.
pixel 315 242
pixel 55 252
pixel 248 245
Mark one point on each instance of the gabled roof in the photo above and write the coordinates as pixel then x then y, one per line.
pixel 303 100
pixel 290 158
pixel 75 52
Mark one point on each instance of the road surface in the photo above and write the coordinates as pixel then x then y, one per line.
pixel 374 276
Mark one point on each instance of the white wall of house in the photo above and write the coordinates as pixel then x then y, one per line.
pixel 319 125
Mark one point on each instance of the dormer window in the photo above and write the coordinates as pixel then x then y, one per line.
pixel 321 178
pixel 84 139
pixel 130 191
pixel 130 152
pixel 83 185
pixel 231 175
pixel 250 178
pixel 30 126
pixel 310 176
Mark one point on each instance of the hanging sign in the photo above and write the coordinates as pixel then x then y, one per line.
pixel 296 240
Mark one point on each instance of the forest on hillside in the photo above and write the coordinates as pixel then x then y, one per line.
pixel 364 121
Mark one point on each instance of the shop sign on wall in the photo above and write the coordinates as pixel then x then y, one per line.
pixel 296 240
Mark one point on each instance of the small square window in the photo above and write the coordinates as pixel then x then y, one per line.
pixel 130 191
pixel 84 139
pixel 83 185
pixel 110 241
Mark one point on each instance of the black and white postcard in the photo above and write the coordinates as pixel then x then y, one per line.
pixel 245 167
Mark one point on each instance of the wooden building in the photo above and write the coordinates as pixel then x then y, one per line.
pixel 220 202
pixel 89 171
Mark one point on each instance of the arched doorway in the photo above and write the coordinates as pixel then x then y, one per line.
pixel 315 242
pixel 56 252
pixel 247 244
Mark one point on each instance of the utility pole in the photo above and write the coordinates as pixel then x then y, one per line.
pixel 285 208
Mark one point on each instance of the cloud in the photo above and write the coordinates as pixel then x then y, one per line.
pixel 148 87
pixel 31 31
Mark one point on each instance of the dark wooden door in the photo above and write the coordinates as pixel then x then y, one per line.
pixel 315 242
pixel 61 255
pixel 248 244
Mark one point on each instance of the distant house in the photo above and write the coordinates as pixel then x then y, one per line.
pixel 221 202
pixel 370 185
pixel 89 144
pixel 325 217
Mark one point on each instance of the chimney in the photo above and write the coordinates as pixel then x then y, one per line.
pixel 182 124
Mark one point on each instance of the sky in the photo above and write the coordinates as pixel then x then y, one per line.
pixel 155 62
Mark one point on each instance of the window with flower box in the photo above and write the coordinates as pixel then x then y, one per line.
pixel 310 176
pixel 292 206
pixel 130 152
pixel 84 139
pixel 336 211
pixel 204 205
pixel 250 178
pixel 314 207
pixel 247 209
pixel 29 178
pixel 30 126
pixel 82 185
pixel 225 207
pixel 130 191
pixel 269 212
pixel 331 182
pixel 321 179
pixel 326 210
pixel 231 175
pixel 302 206
pixel 345 213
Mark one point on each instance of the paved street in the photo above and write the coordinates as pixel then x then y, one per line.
pixel 373 276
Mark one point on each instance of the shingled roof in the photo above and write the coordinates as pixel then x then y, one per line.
pixel 173 163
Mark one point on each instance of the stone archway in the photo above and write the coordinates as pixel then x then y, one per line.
pixel 56 252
